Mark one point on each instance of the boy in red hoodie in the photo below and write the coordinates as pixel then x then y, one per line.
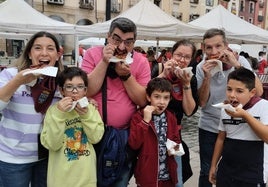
pixel 150 129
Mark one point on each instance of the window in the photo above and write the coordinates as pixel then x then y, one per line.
pixel 87 4
pixel 177 15
pixel 116 6
pixel 242 6
pixel 193 17
pixel 261 3
pixel 209 2
pixel 59 2
pixel 251 7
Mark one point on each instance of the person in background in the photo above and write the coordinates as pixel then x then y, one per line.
pixel 240 153
pixel 211 90
pixel 184 95
pixel 140 50
pixel 81 51
pixel 156 67
pixel 126 83
pixel 150 129
pixel 196 59
pixel 164 56
pixel 262 62
pixel 69 132
pixel 24 100
pixel 236 49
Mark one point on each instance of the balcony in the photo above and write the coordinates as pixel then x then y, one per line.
pixel 86 5
pixel 56 2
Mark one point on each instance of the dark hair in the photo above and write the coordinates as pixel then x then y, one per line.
pixel 243 75
pixel 159 84
pixel 215 32
pixel 124 24
pixel 69 73
pixel 150 52
pixel 261 53
pixel 25 62
pixel 184 42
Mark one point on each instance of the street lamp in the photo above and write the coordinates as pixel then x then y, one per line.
pixel 108 10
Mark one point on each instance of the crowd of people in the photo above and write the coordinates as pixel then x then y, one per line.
pixel 51 124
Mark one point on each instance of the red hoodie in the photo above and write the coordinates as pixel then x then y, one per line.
pixel 143 137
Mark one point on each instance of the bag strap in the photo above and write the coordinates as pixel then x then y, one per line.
pixel 104 100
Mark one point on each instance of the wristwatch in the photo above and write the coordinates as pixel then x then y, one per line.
pixel 124 77
pixel 186 87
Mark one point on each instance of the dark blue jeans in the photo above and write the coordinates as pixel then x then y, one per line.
pixel 207 142
pixel 21 175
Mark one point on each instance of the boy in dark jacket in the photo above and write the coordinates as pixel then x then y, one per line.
pixel 150 129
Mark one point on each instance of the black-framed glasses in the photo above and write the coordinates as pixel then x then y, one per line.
pixel 117 40
pixel 181 56
pixel 70 88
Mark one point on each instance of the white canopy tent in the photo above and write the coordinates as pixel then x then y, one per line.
pixel 152 24
pixel 237 30
pixel 17 16
pixel 143 43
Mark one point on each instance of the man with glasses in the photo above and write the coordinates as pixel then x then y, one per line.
pixel 211 90
pixel 126 82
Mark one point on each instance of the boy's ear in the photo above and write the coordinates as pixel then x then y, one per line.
pixel 61 91
pixel 148 98
pixel 253 92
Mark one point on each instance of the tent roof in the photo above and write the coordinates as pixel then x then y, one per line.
pixel 143 43
pixel 17 16
pixel 151 22
pixel 237 30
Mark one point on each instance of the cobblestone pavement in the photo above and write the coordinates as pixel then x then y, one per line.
pixel 190 131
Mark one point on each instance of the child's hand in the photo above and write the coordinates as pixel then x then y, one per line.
pixel 239 113
pixel 176 148
pixel 148 110
pixel 212 175
pixel 80 110
pixel 65 104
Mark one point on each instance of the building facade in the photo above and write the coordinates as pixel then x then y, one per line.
pixel 86 12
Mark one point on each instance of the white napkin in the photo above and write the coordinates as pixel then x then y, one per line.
pixel 48 70
pixel 226 106
pixel 170 146
pixel 217 68
pixel 187 70
pixel 83 102
pixel 127 60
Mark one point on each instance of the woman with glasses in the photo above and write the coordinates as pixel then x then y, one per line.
pixel 71 126
pixel 184 95
pixel 24 100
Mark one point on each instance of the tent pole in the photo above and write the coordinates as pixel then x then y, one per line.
pixel 157 47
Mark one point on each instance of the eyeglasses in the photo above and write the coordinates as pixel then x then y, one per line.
pixel 180 56
pixel 70 88
pixel 117 40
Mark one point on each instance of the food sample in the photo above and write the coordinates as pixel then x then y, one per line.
pixel 120 54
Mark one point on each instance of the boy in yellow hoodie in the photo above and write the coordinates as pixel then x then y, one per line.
pixel 70 128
